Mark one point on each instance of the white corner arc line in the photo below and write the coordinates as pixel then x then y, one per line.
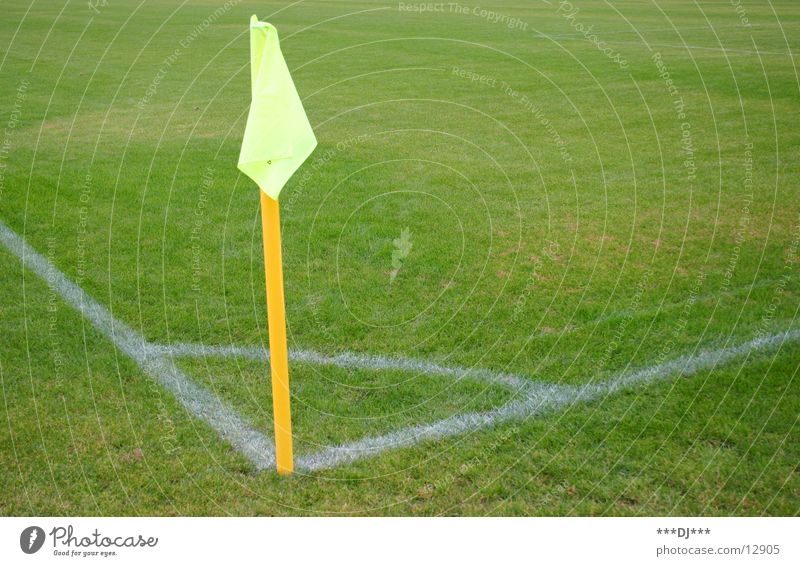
pixel 254 445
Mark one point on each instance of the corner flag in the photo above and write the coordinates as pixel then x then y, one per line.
pixel 277 140
pixel 278 137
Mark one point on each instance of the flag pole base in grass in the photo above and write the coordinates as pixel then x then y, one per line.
pixel 276 320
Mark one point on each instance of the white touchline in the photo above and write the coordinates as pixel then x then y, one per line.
pixel 533 397
pixel 254 445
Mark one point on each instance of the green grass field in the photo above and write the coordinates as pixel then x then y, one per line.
pixel 497 189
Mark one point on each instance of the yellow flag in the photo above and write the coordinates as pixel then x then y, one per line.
pixel 278 137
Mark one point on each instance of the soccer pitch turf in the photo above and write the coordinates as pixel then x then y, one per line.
pixel 544 260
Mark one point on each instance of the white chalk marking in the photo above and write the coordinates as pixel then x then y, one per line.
pixel 254 445
pixel 537 397
pixel 346 360
pixel 540 398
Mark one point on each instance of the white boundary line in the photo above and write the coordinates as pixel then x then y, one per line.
pixel 254 445
pixel 347 360
pixel 537 397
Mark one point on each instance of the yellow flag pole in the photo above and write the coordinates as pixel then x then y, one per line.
pixel 276 319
